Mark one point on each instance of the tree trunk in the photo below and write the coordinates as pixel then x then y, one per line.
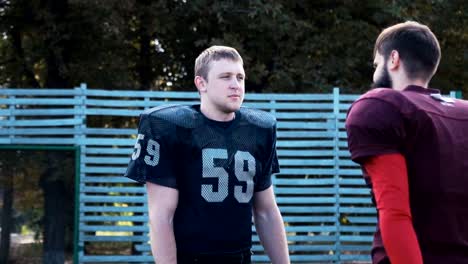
pixel 6 220
pixel 52 181
pixel 25 75
pixel 57 43
pixel 54 218
pixel 144 57
pixel 8 171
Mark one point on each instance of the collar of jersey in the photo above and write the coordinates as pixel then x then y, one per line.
pixel 419 89
pixel 219 124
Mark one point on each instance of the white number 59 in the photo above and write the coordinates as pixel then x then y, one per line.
pixel 152 159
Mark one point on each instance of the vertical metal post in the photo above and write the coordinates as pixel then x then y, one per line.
pixel 336 113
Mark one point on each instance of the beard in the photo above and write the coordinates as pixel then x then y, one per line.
pixel 384 81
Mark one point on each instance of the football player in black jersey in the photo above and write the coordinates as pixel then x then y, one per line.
pixel 207 170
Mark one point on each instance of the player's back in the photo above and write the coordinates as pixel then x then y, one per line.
pixel 431 132
pixel 436 152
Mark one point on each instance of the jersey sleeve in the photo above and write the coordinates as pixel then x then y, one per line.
pixel 389 178
pixel 271 165
pixel 151 160
pixel 374 127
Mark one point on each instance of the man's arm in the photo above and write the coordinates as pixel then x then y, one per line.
pixel 162 202
pixel 270 227
pixel 389 178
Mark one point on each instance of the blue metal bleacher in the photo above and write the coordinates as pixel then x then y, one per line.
pixel 326 207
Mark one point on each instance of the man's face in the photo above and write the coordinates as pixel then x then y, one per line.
pixel 381 76
pixel 225 86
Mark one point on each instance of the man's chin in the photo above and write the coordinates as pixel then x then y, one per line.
pixel 232 108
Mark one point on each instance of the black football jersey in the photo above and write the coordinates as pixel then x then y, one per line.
pixel 215 166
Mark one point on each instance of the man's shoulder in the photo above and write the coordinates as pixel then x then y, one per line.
pixel 257 117
pixel 384 94
pixel 377 104
pixel 386 98
pixel 185 116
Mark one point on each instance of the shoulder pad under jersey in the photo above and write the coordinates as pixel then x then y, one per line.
pixel 393 97
pixel 386 94
pixel 258 117
pixel 180 115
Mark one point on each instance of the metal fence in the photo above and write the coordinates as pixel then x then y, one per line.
pixel 326 206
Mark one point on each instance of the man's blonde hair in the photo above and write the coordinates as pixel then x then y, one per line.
pixel 214 53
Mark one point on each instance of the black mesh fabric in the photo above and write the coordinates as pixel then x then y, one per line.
pixel 217 168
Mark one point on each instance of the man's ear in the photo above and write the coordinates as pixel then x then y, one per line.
pixel 200 83
pixel 394 61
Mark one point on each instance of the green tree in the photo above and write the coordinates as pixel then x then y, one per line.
pixel 288 46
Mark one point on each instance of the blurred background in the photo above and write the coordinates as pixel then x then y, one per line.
pixel 287 47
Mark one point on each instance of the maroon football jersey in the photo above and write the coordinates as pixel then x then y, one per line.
pixel 431 131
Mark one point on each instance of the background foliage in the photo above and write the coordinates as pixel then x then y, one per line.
pixel 288 46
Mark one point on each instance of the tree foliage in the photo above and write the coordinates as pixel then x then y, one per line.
pixel 288 46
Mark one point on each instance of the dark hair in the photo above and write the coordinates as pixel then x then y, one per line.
pixel 417 46
pixel 214 53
